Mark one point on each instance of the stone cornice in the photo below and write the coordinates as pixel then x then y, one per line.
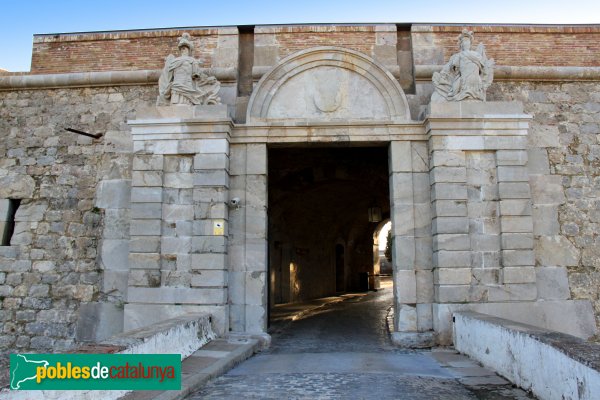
pixel 150 77
pixel 92 79
pixel 524 73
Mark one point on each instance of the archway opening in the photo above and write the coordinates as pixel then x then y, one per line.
pixel 382 260
pixel 324 205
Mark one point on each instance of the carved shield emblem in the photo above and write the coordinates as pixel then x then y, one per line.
pixel 327 92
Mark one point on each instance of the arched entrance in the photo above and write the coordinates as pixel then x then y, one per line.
pixel 309 109
pixel 382 266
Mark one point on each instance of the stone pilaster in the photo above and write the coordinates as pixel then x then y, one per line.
pixel 516 224
pixel 248 239
pixel 411 234
pixel 481 202
pixel 179 215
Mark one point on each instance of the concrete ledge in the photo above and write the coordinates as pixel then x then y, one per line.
pixel 552 365
pixel 183 335
pixel 572 317
pixel 413 340
pixel 206 364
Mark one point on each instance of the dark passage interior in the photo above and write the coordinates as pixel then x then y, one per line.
pixel 324 206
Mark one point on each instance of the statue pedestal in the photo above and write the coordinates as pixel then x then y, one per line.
pixel 476 109
pixel 213 112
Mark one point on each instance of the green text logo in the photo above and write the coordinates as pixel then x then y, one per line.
pixel 95 371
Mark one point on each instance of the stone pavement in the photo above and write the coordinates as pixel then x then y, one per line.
pixel 341 350
pixel 211 361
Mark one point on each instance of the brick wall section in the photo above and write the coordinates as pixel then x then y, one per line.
pixel 137 50
pixel 117 51
pixel 528 45
pixel 293 39
pixel 51 267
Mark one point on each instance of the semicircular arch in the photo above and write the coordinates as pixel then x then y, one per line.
pixel 328 83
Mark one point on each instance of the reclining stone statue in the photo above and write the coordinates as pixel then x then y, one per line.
pixel 182 80
pixel 466 76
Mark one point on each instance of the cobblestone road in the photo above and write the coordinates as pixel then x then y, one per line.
pixel 342 351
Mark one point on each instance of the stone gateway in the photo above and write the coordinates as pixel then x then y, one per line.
pixel 258 165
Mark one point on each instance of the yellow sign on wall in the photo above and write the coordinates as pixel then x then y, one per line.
pixel 219 227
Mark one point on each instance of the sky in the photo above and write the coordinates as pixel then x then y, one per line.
pixel 20 20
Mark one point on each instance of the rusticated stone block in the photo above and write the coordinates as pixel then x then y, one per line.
pixel 448 191
pixel 209 244
pixel 513 292
pixel 514 190
pixel 547 189
pixel 556 251
pixel 144 261
pixel 518 207
pixel 452 293
pixel 146 178
pixel 209 278
pixel 518 258
pixel 405 286
pixel 114 193
pixel 518 275
pixel 545 219
pixel 209 261
pixel 449 208
pixel 448 174
pixel 451 242
pixel 219 161
pixel 452 276
pixel 145 227
pixel 449 259
pixel 450 225
pixel 513 174
pixel 448 159
pixel 517 241
pixel 511 157
pixel 552 283
pixel 146 195
pixel 511 224
pixel 148 162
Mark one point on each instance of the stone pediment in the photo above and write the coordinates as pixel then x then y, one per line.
pixel 328 84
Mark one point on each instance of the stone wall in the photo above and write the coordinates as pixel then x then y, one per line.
pixel 66 274
pixel 53 265
pixel 564 168
pixel 62 230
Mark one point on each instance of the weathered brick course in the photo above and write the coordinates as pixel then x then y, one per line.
pixel 116 51
pixel 528 45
